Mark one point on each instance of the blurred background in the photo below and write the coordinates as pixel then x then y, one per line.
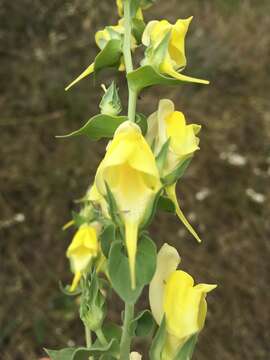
pixel 225 193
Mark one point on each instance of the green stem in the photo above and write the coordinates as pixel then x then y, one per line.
pixel 101 337
pixel 88 338
pixel 132 99
pixel 126 339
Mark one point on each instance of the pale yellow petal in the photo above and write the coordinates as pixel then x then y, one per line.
pixel 146 37
pixel 152 131
pixel 167 261
pixel 165 108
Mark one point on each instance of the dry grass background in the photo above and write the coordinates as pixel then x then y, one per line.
pixel 43 45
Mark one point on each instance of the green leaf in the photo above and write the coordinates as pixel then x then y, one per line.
pixel 99 126
pixel 147 3
pixel 146 76
pixel 158 342
pixel 158 54
pixel 177 173
pixel 142 325
pixel 138 27
pixel 64 354
pixel 141 120
pixel 109 56
pixel 166 204
pixel 84 353
pixel 134 6
pixel 145 260
pixel 78 219
pixel 186 350
pixel 118 267
pixel 151 210
pixel 108 357
pixel 107 237
pixel 114 213
pixel 113 331
pixel 162 155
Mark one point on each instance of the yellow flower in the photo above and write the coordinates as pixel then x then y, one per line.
pixel 172 293
pixel 83 248
pixel 174 58
pixel 102 38
pixel 164 124
pixel 130 171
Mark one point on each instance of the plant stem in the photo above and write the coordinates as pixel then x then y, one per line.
pixel 88 338
pixel 126 339
pixel 101 337
pixel 132 98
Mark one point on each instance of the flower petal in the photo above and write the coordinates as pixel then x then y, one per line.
pixel 167 261
pixel 171 192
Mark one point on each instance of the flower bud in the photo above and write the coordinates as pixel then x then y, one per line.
pixel 110 103
pixel 92 307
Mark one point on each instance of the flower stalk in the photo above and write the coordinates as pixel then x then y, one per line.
pixel 88 337
pixel 126 339
pixel 132 95
pixel 132 99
